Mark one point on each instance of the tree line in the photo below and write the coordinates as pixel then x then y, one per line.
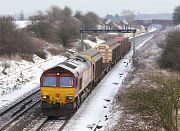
pixel 14 41
pixel 59 25
pixel 176 15
pixel 55 25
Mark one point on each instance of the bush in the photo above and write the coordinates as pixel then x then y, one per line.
pixel 41 54
pixel 68 31
pixel 176 16
pixel 171 55
pixel 41 27
pixel 156 99
pixel 56 50
pixel 16 42
pixel 27 58
pixel 39 48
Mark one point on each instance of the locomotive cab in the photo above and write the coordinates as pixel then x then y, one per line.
pixel 71 81
pixel 58 87
pixel 67 84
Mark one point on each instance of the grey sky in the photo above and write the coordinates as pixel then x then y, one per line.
pixel 101 7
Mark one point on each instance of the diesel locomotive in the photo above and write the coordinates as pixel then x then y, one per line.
pixel 70 82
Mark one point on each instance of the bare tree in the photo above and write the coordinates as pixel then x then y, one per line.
pixel 6 33
pixel 67 12
pixel 14 41
pixel 89 20
pixel 78 15
pixel 69 30
pixel 54 13
pixel 128 15
pixel 176 15
pixel 42 27
pixel 64 24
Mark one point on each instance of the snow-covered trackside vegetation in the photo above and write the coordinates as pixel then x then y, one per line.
pixel 15 42
pixel 29 48
pixel 149 97
pixel 22 77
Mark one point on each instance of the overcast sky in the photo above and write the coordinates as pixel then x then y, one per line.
pixel 101 7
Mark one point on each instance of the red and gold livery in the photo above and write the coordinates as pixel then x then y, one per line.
pixel 70 82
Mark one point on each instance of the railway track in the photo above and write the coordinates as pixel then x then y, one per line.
pixel 55 125
pixel 58 125
pixel 7 109
pixel 43 123
pixel 99 125
pixel 141 38
pixel 16 111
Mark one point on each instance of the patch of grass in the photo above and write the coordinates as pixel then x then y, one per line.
pixel 155 98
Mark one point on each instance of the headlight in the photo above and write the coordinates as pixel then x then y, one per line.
pixel 45 97
pixel 69 97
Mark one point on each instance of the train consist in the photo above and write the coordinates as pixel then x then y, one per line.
pixel 70 82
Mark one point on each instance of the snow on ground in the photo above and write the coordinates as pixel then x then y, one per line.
pixel 23 77
pixel 93 44
pixel 22 24
pixel 147 56
pixel 99 41
pixel 95 109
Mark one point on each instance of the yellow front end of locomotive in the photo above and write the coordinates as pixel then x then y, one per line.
pixel 57 96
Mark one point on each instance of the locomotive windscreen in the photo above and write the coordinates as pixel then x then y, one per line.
pixel 49 81
pixel 66 81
